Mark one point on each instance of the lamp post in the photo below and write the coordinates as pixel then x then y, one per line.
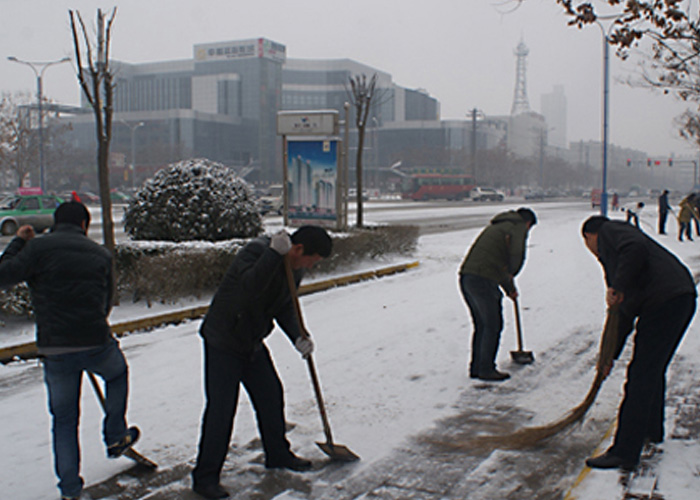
pixel 606 99
pixel 133 150
pixel 39 68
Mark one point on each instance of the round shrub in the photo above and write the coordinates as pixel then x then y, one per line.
pixel 193 200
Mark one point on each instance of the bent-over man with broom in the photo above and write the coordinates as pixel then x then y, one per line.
pixel 495 257
pixel 253 293
pixel 649 285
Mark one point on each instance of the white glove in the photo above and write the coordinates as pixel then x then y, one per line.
pixel 304 345
pixel 281 242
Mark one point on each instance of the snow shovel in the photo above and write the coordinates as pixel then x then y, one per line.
pixel 129 453
pixel 521 357
pixel 335 451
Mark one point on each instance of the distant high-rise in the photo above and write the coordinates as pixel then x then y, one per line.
pixel 520 102
pixel 553 107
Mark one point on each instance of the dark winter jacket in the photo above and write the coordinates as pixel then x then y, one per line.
pixel 70 279
pixel 498 253
pixel 645 272
pixel 253 292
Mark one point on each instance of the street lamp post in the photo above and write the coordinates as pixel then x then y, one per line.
pixel 39 75
pixel 133 150
pixel 606 99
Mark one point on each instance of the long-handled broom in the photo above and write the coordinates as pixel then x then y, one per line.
pixel 530 436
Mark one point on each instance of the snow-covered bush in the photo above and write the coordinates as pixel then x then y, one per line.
pixel 193 200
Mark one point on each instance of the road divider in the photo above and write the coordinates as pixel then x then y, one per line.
pixel 28 350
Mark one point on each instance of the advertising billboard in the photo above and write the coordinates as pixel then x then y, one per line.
pixel 312 181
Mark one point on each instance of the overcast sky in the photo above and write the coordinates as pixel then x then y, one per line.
pixel 459 51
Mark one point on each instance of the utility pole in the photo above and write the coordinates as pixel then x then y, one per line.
pixel 475 114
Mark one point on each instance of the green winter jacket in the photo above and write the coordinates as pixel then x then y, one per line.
pixel 498 253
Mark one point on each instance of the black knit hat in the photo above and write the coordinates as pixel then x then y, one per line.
pixel 71 212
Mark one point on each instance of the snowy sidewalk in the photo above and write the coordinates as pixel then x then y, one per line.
pixel 391 356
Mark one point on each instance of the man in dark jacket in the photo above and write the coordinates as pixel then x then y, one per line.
pixel 652 288
pixel 664 207
pixel 494 259
pixel 70 279
pixel 254 292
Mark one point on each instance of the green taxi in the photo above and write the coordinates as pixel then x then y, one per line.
pixel 19 210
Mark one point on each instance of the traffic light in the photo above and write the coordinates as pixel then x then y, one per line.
pixel 649 162
pixel 629 162
pixel 670 162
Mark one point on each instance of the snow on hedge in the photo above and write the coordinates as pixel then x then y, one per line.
pixel 193 200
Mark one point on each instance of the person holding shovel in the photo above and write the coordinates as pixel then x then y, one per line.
pixel 654 294
pixel 253 293
pixel 494 259
pixel 70 279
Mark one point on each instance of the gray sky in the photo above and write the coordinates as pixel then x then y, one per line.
pixel 460 51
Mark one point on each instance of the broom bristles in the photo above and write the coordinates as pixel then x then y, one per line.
pixel 531 436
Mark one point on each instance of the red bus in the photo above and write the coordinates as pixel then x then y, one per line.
pixel 420 187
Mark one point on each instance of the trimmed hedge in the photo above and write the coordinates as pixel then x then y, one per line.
pixel 166 272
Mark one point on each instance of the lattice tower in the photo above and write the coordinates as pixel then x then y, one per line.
pixel 520 102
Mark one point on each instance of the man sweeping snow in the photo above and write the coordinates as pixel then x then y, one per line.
pixel 656 296
pixel 495 257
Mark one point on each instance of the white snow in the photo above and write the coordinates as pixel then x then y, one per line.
pixel 391 355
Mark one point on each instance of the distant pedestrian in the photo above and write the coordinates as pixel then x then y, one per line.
pixel 494 259
pixel 253 293
pixel 615 201
pixel 664 207
pixel 686 213
pixel 633 211
pixel 655 295
pixel 70 278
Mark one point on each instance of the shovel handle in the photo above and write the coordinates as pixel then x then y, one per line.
pixel 309 358
pixel 518 326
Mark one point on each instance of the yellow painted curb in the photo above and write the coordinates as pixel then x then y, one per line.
pixel 571 494
pixel 28 349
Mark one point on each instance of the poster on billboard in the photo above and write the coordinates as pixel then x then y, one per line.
pixel 312 181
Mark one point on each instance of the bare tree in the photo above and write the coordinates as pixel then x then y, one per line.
pixel 361 93
pixel 672 65
pixel 19 143
pixel 96 82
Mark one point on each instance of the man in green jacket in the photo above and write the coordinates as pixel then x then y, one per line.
pixel 495 257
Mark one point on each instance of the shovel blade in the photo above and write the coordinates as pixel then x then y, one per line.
pixel 338 452
pixel 522 357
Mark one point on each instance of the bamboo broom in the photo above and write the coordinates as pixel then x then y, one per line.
pixel 530 436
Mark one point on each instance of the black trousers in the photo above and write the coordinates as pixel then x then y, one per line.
pixel 641 414
pixel 663 215
pixel 223 374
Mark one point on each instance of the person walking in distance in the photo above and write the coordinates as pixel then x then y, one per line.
pixel 686 213
pixel 253 293
pixel 664 207
pixel 654 295
pixel 70 279
pixel 494 259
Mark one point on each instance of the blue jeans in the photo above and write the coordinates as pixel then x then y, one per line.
pixel 483 297
pixel 63 374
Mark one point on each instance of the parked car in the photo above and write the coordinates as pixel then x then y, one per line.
pixel 19 210
pixel 486 194
pixel 119 196
pixel 273 200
